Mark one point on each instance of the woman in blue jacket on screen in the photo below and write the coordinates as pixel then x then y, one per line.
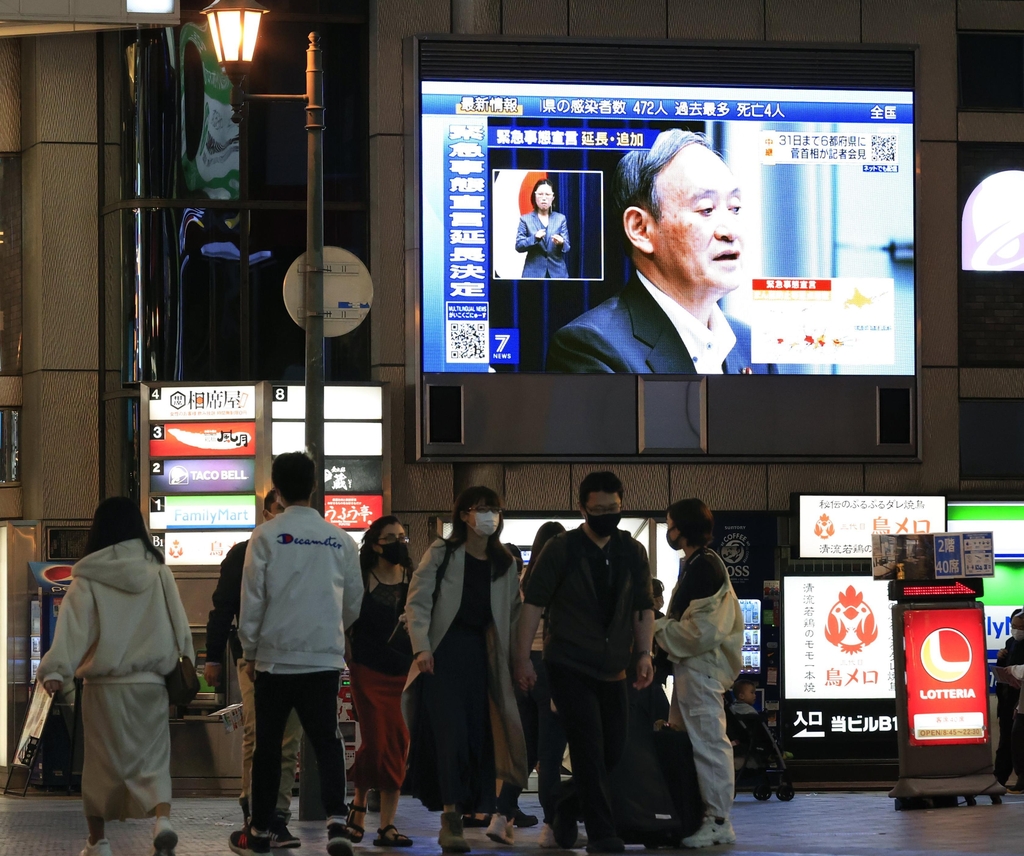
pixel 543 236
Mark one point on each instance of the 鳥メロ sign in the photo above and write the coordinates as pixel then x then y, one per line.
pixel 842 526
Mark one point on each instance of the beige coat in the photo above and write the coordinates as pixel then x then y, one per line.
pixel 429 622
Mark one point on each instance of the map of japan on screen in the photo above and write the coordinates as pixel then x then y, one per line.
pixel 578 228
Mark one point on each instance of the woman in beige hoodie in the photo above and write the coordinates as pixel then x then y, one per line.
pixel 121 628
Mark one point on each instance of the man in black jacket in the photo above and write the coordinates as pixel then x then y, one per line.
pixel 595 585
pixel 222 636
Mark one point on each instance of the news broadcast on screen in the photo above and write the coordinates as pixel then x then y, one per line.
pixel 565 225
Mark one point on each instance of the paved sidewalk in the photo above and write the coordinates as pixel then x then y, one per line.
pixel 832 824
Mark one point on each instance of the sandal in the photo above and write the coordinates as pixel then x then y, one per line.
pixel 353 831
pixel 396 839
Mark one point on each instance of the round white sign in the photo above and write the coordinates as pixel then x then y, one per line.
pixel 348 291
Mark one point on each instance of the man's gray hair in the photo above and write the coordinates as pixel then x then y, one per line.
pixel 637 173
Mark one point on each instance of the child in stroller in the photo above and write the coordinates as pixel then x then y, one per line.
pixel 755 752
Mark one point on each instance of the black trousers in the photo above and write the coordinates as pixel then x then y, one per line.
pixel 1017 746
pixel 314 696
pixel 1003 766
pixel 545 745
pixel 594 715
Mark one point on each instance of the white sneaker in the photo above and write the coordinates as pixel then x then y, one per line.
pixel 165 839
pixel 500 829
pixel 100 848
pixel 711 833
pixel 547 838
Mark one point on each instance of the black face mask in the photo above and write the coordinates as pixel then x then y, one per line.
pixel 673 544
pixel 397 553
pixel 602 525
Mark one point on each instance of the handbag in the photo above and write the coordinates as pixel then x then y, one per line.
pixel 182 681
pixel 399 641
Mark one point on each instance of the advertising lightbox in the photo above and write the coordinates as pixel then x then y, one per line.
pixel 187 475
pixel 842 526
pixel 352 512
pixel 202 512
pixel 202 402
pixel 353 475
pixel 207 439
pixel 341 439
pixel 197 548
pixel 947 680
pixel 1005 520
pixel 543 252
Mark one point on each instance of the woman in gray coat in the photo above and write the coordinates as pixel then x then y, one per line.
pixel 461 611
pixel 544 236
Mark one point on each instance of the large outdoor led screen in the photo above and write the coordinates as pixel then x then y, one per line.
pixel 578 228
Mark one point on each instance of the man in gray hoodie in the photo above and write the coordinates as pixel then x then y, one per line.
pixel 301 588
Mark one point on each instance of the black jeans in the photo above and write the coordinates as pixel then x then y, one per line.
pixel 545 745
pixel 314 696
pixel 1003 766
pixel 594 714
pixel 1017 746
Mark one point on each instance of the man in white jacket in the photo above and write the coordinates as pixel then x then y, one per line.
pixel 301 587
pixel 703 637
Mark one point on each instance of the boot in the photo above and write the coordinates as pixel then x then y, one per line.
pixel 450 838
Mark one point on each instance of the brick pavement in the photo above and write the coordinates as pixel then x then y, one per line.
pixel 832 824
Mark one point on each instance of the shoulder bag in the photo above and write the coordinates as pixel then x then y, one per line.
pixel 400 641
pixel 182 681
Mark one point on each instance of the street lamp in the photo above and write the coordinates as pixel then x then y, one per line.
pixel 234 26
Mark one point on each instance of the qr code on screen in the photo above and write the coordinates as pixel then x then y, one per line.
pixel 467 342
pixel 883 148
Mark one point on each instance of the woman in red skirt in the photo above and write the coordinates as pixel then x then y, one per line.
pixel 378 678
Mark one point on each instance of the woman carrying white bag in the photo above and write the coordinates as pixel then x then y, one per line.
pixel 122 628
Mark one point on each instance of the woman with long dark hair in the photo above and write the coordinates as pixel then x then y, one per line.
pixel 122 628
pixel 463 605
pixel 378 678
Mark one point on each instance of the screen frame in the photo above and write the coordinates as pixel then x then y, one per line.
pixel 416 380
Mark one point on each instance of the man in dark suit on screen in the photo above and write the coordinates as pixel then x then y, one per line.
pixel 680 207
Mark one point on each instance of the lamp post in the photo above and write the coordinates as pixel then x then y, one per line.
pixel 234 27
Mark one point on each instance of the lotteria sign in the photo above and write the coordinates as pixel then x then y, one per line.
pixel 206 439
pixel 236 475
pixel 202 512
pixel 202 402
pixel 947 677
pixel 353 512
pixel 197 548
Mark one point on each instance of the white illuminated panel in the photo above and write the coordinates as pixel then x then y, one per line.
pixel 202 402
pixel 341 439
pixel 840 527
pixel 830 654
pixel 340 402
pixel 197 548
pixel 992 226
pixel 150 7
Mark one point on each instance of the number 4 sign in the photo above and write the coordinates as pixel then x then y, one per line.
pixel 505 347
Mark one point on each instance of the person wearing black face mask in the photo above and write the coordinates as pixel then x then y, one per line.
pixel 378 677
pixel 595 584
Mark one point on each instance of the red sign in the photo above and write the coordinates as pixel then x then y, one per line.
pixel 353 512
pixel 201 439
pixel 791 284
pixel 947 679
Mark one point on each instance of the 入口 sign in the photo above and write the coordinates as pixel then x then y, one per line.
pixel 202 402
pixel 202 512
pixel 842 526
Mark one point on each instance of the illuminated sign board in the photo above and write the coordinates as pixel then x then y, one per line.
pixel 353 512
pixel 1005 520
pixel 838 638
pixel 202 512
pixel 353 475
pixel 947 679
pixel 51 578
pixel 208 439
pixel 937 556
pixel 341 439
pixel 202 475
pixel 840 527
pixel 340 402
pixel 202 402
pixel 992 225
pixel 197 548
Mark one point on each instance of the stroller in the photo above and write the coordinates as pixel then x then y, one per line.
pixel 757 756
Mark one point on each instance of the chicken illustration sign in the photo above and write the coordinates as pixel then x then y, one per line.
pixel 838 638
pixel 851 623
pixel 841 526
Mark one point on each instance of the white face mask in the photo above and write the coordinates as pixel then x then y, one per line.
pixel 1017 634
pixel 484 523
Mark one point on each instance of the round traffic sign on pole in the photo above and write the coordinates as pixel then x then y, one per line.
pixel 348 291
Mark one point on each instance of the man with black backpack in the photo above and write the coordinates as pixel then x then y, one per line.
pixel 594 583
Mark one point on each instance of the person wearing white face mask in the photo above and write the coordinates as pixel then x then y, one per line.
pixel 461 613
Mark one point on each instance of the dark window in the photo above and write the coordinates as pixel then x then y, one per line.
pixel 991 71
pixel 992 439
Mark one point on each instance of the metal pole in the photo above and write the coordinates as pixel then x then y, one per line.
pixel 310 807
